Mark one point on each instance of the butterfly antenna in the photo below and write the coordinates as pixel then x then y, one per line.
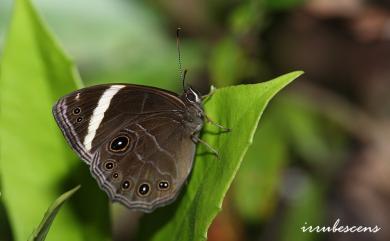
pixel 184 77
pixel 182 74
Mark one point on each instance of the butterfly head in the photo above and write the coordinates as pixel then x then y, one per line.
pixel 193 101
pixel 192 96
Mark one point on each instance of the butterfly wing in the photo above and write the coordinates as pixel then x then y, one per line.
pixel 84 115
pixel 134 139
pixel 152 167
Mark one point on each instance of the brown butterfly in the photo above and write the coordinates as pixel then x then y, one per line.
pixel 139 141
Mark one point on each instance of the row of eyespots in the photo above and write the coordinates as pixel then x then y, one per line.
pixel 143 189
pixel 77 111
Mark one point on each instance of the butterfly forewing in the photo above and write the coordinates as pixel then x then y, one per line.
pixel 73 113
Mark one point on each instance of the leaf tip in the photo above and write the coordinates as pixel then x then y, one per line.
pixel 298 73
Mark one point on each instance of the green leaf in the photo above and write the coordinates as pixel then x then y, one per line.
pixel 239 108
pixel 40 233
pixel 36 163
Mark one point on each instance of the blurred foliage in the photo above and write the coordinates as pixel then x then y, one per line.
pixel 228 64
pixel 305 135
pixel 306 208
pixel 35 160
pixel 268 186
pixel 282 4
pixel 247 17
pixel 118 41
pixel 309 133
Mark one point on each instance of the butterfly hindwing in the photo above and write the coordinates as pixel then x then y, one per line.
pixel 158 156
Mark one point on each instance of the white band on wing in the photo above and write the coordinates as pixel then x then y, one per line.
pixel 98 114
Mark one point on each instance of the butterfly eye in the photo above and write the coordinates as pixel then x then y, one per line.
pixel 120 143
pixel 76 111
pixel 191 96
pixel 162 185
pixel 143 189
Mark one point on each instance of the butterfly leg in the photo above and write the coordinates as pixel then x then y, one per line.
pixel 212 90
pixel 226 129
pixel 196 139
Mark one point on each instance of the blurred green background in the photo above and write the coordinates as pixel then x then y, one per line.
pixel 322 151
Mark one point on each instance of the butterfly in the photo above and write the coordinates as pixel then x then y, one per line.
pixel 138 141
